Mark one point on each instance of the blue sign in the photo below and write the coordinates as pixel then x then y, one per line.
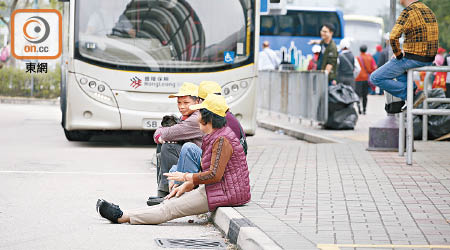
pixel 264 7
pixel 228 57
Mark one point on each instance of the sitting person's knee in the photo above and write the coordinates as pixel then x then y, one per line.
pixel 189 146
pixel 169 146
pixel 374 78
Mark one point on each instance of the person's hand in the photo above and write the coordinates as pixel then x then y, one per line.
pixel 160 140
pixel 132 33
pixel 178 191
pixel 176 176
pixel 313 42
pixel 334 82
pixel 172 185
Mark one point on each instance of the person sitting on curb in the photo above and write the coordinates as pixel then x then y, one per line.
pixel 187 130
pixel 224 179
pixel 419 25
pixel 190 155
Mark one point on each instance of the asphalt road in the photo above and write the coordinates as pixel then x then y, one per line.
pixel 49 187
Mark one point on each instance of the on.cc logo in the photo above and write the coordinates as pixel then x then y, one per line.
pixel 36 29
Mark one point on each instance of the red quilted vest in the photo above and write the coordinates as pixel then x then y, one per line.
pixel 234 188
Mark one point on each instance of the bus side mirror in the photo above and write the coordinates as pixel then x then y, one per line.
pixel 273 7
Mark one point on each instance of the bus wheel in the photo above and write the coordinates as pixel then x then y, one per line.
pixel 77 135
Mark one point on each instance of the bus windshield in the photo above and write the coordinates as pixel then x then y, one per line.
pixel 165 35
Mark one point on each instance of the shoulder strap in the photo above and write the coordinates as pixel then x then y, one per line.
pixel 348 61
pixel 362 62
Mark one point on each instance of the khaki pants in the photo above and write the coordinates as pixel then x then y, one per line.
pixel 190 203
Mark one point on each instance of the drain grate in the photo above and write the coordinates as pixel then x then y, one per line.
pixel 190 243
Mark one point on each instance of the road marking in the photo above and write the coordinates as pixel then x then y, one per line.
pixel 73 173
pixel 338 246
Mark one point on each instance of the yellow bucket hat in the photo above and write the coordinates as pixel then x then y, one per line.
pixel 208 87
pixel 186 89
pixel 213 103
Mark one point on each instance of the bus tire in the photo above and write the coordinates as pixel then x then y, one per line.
pixel 77 135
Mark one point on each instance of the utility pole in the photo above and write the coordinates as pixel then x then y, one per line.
pixel 35 6
pixel 392 20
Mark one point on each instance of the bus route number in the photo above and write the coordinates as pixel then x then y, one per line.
pixel 151 124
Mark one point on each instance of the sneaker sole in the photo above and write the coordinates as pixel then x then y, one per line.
pixel 154 202
pixel 419 101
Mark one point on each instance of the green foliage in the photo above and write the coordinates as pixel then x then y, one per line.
pixel 441 9
pixel 15 82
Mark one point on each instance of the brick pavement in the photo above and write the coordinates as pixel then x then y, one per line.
pixel 338 193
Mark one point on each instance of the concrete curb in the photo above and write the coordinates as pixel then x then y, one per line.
pixel 241 231
pixel 297 133
pixel 28 100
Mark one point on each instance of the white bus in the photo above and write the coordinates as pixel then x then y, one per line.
pixel 122 58
pixel 365 30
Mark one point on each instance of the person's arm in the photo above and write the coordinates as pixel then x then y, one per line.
pixel 221 154
pixel 332 58
pixel 314 42
pixel 188 129
pixel 397 32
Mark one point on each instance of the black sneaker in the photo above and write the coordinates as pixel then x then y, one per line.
pixel 395 107
pixel 108 210
pixel 154 200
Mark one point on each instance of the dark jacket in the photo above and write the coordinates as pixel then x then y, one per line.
pixel 329 57
pixel 346 65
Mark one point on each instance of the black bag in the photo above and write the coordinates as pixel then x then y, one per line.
pixel 341 113
pixel 437 125
pixel 169 120
pixel 243 141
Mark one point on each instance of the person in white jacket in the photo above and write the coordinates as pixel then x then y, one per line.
pixel 268 59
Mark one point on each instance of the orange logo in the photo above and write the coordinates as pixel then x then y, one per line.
pixel 36 34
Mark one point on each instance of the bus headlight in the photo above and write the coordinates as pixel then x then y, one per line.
pixel 92 84
pixel 101 88
pixel 234 90
pixel 97 90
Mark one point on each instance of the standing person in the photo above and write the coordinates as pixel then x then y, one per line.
pixel 419 25
pixel 347 66
pixel 447 82
pixel 268 59
pixel 328 54
pixel 368 66
pixel 224 177
pixel 377 54
pixel 312 65
pixel 171 139
pixel 440 78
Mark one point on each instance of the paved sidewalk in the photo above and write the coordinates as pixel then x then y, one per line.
pixel 307 194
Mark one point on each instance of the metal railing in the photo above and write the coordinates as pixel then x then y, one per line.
pixel 410 111
pixel 301 94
